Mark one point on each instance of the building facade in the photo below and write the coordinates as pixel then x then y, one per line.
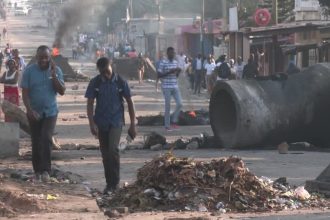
pixel 307 10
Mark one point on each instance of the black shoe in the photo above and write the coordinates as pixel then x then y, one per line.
pixel 109 190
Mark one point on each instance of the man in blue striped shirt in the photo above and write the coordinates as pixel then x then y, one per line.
pixel 168 72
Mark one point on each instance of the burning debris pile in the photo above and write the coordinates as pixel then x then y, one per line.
pixel 198 117
pixel 69 74
pixel 171 183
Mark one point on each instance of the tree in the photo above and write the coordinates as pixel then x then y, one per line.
pixel 325 7
pixel 325 3
pixel 285 10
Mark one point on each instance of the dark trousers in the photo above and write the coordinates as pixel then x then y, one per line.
pixel 109 141
pixel 41 137
pixel 191 81
pixel 198 81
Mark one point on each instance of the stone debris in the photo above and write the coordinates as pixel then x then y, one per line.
pixel 155 141
pixel 56 176
pixel 170 183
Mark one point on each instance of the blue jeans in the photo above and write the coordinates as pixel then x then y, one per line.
pixel 175 92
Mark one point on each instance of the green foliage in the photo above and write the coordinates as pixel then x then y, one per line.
pixel 326 7
pixel 285 10
pixel 325 3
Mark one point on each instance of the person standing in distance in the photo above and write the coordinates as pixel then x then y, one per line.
pixel 40 85
pixel 168 73
pixel 106 122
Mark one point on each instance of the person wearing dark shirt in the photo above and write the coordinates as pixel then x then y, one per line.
pixel 292 69
pixel 250 70
pixel 106 122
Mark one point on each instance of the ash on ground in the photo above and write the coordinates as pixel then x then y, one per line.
pixel 168 183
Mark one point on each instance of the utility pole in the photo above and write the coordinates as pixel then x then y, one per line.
pixel 202 29
pixel 131 8
pixel 275 11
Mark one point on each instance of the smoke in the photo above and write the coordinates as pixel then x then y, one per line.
pixel 71 16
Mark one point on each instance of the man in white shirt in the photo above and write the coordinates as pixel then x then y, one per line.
pixel 209 66
pixel 239 66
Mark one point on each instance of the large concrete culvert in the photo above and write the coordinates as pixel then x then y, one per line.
pixel 245 113
pixel 223 114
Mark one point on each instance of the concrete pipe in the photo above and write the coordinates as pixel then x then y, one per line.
pixel 245 113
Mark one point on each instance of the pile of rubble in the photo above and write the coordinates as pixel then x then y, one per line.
pixel 155 141
pixel 69 74
pixel 170 183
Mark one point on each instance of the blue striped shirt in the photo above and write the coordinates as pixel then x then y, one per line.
pixel 169 81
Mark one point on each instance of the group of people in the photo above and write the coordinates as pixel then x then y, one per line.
pixel 105 94
pixel 40 84
pixel 204 72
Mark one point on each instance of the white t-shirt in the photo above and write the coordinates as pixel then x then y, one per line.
pixel 198 64
pixel 181 61
pixel 239 70
pixel 209 68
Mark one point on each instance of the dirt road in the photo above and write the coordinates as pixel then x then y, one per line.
pixel 72 200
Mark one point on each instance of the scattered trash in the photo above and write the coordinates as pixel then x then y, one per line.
pixel 156 147
pixel 14 203
pixel 82 116
pixel 75 87
pixel 301 193
pixel 69 119
pixel 202 208
pixel 112 213
pixel 220 205
pixel 36 196
pixel 193 145
pixel 56 176
pixel 56 144
pixel 152 139
pixel 169 183
pixel 51 197
pixel 124 144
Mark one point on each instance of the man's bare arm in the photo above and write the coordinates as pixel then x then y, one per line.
pixel 90 114
pixel 131 111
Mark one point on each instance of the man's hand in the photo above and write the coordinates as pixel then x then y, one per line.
pixel 94 129
pixel 132 131
pixel 33 115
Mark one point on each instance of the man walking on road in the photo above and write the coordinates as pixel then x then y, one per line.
pixel 40 84
pixel 168 72
pixel 109 90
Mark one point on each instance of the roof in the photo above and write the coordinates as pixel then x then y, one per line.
pixel 285 28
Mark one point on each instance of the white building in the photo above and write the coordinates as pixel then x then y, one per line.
pixel 307 10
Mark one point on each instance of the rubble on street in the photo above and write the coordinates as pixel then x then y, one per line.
pixel 170 183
